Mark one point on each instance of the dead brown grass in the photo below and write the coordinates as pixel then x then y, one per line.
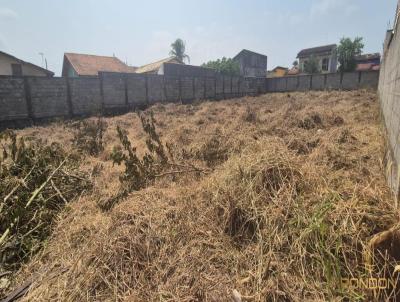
pixel 296 194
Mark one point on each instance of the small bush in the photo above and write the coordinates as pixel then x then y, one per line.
pixel 88 136
pixel 36 181
pixel 142 172
pixel 250 115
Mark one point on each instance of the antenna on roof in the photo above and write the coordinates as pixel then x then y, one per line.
pixel 42 55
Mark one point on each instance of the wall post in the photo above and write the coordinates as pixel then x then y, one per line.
pixel 223 87
pixel 146 83
pixel 102 92
pixel 69 98
pixel 215 87
pixel 194 88
pixel 180 89
pixel 28 98
pixel 126 90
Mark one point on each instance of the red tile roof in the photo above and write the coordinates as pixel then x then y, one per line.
pixel 364 66
pixel 90 65
pixel 293 71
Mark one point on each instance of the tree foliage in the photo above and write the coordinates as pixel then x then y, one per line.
pixel 311 65
pixel 178 49
pixel 347 51
pixel 225 66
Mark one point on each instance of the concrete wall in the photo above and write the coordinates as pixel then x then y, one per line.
pixel 172 92
pixel 345 81
pixel 187 88
pixel 113 90
pixel 48 97
pixel 39 97
pixel 85 95
pixel 136 89
pixel 155 88
pixel 389 94
pixel 13 103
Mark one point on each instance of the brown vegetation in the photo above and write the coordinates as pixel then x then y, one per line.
pixel 271 198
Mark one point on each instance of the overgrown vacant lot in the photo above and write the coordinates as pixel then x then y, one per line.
pixel 275 198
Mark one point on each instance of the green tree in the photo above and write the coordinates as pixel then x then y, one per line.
pixel 347 51
pixel 295 63
pixel 178 50
pixel 225 66
pixel 311 65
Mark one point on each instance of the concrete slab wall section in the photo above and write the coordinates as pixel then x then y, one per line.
pixel 389 96
pixel 113 89
pixel 48 97
pixel 136 89
pixel 85 95
pixel 13 105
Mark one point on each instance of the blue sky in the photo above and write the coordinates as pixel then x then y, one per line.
pixel 140 32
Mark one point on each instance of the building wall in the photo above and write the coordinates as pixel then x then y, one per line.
pixel 184 70
pixel 389 94
pixel 27 69
pixel 252 64
pixel 332 66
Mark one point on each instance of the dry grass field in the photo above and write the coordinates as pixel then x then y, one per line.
pixel 268 198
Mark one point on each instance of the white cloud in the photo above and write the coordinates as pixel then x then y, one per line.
pixel 7 13
pixel 325 7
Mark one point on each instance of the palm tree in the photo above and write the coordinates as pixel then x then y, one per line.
pixel 178 51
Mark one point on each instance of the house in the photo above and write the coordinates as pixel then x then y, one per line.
pixel 277 72
pixel 12 66
pixel 325 55
pixel 252 64
pixel 369 61
pixel 83 65
pixel 157 67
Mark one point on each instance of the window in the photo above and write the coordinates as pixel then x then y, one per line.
pixel 325 64
pixel 16 69
pixel 303 66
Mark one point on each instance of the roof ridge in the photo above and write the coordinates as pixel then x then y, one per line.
pixel 85 54
pixel 159 61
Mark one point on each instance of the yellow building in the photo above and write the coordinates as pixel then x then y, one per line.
pixel 278 72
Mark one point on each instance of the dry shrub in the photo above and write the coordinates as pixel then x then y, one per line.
pixel 271 223
pixel 36 181
pixel 213 151
pixel 311 122
pixel 250 115
pixel 88 136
